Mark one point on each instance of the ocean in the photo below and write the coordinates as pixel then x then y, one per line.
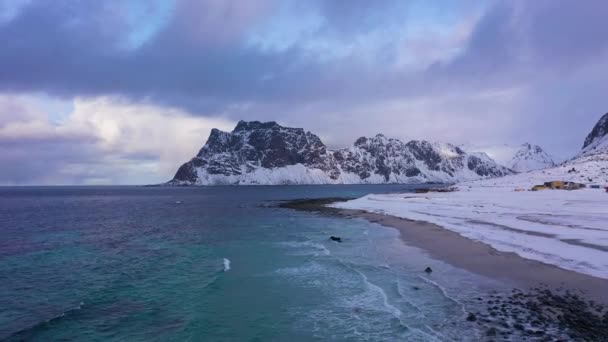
pixel 217 264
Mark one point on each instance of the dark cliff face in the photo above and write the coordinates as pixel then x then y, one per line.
pixel 599 131
pixel 268 146
pixel 423 150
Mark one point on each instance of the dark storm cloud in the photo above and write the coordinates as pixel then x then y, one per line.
pixel 78 48
pixel 200 57
pixel 199 60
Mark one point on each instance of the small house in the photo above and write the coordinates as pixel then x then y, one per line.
pixel 574 186
pixel 539 187
pixel 594 186
pixel 555 184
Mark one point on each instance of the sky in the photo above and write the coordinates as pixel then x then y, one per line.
pixel 124 91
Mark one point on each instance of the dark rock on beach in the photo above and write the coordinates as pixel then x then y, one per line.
pixel 542 314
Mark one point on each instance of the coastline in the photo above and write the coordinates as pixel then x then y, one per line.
pixel 546 301
pixel 483 259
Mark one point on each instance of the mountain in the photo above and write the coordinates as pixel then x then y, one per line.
pixel 530 157
pixel 522 158
pixel 267 153
pixel 596 143
pixel 383 160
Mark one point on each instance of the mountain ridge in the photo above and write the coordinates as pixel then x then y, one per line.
pixel 268 153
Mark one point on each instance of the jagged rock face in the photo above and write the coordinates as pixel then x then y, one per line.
pixel 599 131
pixel 267 153
pixel 596 143
pixel 530 157
pixel 377 156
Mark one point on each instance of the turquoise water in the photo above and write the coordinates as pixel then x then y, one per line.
pixel 216 264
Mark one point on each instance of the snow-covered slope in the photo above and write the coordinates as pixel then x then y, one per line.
pixel 522 158
pixel 267 153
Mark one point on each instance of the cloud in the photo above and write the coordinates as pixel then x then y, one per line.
pixel 493 72
pixel 103 141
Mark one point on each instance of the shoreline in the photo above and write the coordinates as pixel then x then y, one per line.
pixel 546 302
pixel 482 259
pixel 464 253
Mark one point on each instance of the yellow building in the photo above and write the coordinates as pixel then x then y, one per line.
pixel 555 184
pixel 539 187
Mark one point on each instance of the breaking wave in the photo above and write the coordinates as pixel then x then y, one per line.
pixel 30 332
pixel 306 248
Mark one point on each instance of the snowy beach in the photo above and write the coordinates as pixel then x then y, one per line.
pixel 564 228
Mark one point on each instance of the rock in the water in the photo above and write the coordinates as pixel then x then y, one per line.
pixel 428 270
pixel 335 238
pixel 471 317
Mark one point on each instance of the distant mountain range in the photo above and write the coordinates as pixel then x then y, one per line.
pixel 268 153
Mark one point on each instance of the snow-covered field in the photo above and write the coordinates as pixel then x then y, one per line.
pixel 568 229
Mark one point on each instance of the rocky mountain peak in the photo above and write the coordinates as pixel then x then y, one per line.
pixel 361 141
pixel 599 131
pixel 255 125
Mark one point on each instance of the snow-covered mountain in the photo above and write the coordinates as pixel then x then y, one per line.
pixel 530 157
pixel 590 166
pixel 522 158
pixel 267 153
